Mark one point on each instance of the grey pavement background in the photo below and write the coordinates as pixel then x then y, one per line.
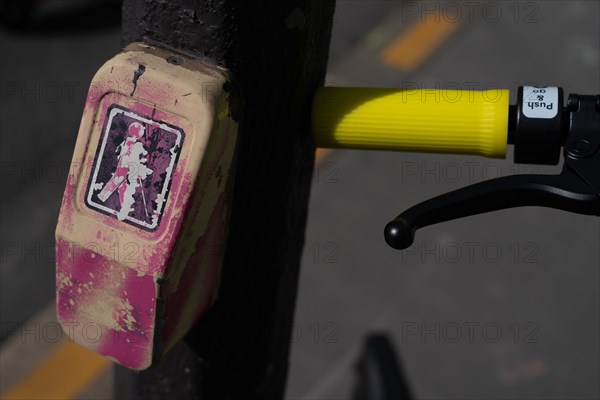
pixel 45 77
pixel 495 306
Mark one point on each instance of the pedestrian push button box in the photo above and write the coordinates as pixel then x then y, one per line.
pixel 143 221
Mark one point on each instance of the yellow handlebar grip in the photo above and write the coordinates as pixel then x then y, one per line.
pixel 437 121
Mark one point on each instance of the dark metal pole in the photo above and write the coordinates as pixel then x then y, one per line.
pixel 277 51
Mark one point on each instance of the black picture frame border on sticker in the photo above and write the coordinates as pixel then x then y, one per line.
pixel 167 191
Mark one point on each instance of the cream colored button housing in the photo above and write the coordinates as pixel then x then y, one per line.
pixel 143 221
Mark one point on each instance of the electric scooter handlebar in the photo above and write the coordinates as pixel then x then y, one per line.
pixel 476 123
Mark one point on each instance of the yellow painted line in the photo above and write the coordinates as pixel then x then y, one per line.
pixel 421 39
pixel 321 154
pixel 70 368
pixel 63 375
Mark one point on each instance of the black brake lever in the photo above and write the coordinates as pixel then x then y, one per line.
pixel 576 189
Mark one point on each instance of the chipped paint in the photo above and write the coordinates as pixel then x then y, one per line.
pixel 136 76
pixel 142 289
pixel 133 167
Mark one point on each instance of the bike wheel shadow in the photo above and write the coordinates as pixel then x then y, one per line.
pixel 379 373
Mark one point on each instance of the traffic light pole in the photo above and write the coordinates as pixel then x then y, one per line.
pixel 277 53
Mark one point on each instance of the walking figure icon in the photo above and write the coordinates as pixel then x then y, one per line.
pixel 130 173
pixel 133 168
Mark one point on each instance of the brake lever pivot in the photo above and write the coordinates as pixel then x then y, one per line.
pixel 538 127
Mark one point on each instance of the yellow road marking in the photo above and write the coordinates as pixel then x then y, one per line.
pixel 63 375
pixel 70 368
pixel 421 39
pixel 320 155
